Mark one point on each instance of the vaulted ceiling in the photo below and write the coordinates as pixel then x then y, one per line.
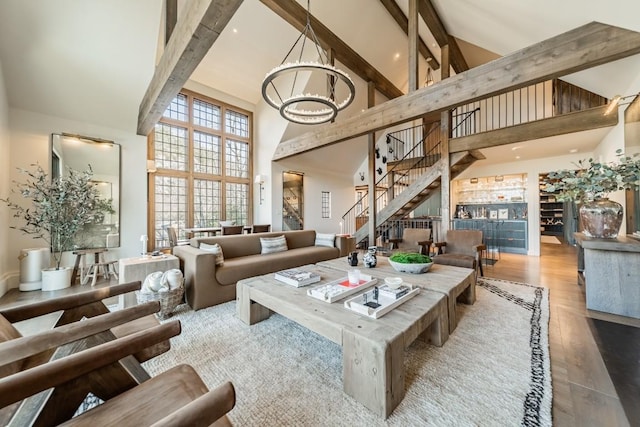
pixel 92 61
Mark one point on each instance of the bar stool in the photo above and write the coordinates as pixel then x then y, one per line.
pixel 99 265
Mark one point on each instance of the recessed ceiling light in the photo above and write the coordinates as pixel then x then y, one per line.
pixel 396 56
pixel 573 150
pixel 515 148
pixel 517 157
pixel 235 30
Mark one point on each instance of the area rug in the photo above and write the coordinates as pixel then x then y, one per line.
pixel 493 370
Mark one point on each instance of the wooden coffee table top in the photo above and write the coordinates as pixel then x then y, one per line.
pixel 329 319
pixel 448 280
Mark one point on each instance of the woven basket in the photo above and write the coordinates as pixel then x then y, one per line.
pixel 168 300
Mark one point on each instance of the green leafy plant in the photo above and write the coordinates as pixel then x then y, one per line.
pixel 593 180
pixel 410 258
pixel 60 207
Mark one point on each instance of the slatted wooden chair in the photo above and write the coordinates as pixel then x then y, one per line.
pixel 177 397
pixel 70 306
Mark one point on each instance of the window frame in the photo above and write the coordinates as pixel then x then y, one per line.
pixel 190 173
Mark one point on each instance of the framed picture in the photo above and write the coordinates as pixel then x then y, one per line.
pixel 503 213
pixel 493 214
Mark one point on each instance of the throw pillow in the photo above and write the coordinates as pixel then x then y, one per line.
pixel 273 244
pixel 216 249
pixel 325 239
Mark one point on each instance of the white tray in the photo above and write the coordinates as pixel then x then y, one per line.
pixel 386 304
pixel 333 291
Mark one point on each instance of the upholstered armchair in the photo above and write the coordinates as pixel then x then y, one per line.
pixel 461 248
pixel 413 240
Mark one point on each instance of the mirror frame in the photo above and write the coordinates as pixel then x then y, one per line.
pixel 108 235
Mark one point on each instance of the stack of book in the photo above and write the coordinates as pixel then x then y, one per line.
pixel 297 277
pixel 393 293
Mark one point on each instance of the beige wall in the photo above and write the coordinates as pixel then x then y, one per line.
pixel 4 186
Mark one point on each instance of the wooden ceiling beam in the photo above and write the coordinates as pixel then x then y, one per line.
pixel 579 49
pixel 198 28
pixel 398 15
pixel 439 32
pixel 296 15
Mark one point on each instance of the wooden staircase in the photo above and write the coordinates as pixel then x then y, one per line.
pixel 420 190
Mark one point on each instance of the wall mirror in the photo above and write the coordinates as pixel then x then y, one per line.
pixel 79 152
pixel 292 201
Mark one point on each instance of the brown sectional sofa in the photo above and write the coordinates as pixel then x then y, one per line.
pixel 207 284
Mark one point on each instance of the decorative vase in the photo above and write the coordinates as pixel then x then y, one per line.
pixel 352 258
pixel 370 259
pixel 601 218
pixel 53 279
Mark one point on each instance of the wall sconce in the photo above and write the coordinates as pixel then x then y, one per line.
pixel 361 176
pixel 260 180
pixel 379 170
pixel 499 178
pixel 377 153
pixel 473 180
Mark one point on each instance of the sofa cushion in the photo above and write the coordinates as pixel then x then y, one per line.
pixel 255 265
pixel 273 244
pixel 216 249
pixel 325 239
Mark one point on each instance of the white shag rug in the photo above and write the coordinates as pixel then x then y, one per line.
pixel 493 371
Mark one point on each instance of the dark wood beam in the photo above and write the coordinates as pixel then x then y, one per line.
pixel 579 49
pixel 593 118
pixel 296 15
pixel 439 32
pixel 413 67
pixel 398 15
pixel 198 28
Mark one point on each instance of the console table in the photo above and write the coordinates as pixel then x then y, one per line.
pixel 610 271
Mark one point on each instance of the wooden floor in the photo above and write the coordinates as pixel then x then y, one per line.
pixel 583 394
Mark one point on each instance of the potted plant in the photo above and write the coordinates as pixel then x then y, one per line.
pixel 409 262
pixel 60 208
pixel 590 185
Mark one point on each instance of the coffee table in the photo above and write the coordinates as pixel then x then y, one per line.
pixel 372 349
pixel 450 281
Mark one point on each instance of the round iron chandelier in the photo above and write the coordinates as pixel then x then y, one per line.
pixel 282 87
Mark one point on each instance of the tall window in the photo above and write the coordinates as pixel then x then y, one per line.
pixel 202 151
pixel 326 204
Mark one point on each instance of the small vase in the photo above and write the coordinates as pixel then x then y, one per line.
pixel 601 218
pixel 352 259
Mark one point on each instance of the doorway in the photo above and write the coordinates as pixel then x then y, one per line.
pixel 292 201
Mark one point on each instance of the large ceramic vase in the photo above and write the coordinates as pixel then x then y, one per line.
pixel 601 218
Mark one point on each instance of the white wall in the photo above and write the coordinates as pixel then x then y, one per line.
pixel 5 269
pixel 30 135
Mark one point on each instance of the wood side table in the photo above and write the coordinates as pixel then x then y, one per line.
pixel 138 268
